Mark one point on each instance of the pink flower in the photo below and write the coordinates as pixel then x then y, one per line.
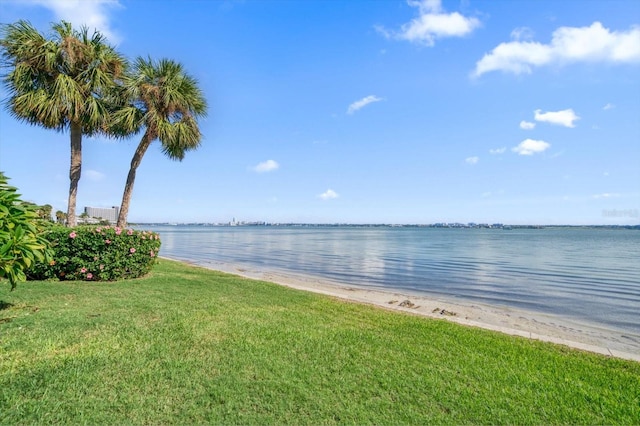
pixel 98 230
pixel 118 231
pixel 73 235
pixel 83 270
pixel 89 275
pixel 107 241
pixel 152 253
pixel 132 250
pixel 130 232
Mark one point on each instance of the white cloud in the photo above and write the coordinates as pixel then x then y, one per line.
pixel 605 195
pixel 432 23
pixel 515 57
pixel 329 194
pixel 527 125
pixel 93 175
pixel 266 166
pixel 92 13
pixel 608 106
pixel 522 33
pixel 562 118
pixel 362 103
pixel 472 160
pixel 530 147
pixel 497 150
pixel 568 44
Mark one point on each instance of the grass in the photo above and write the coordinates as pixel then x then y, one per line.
pixel 186 345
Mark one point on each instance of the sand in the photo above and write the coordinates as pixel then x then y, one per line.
pixel 518 322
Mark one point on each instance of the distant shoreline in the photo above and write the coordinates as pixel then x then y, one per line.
pixel 385 225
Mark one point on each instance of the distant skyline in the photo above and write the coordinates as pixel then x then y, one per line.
pixel 390 111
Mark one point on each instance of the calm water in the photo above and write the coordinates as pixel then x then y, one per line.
pixel 592 275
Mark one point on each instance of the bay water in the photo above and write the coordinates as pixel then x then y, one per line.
pixel 591 275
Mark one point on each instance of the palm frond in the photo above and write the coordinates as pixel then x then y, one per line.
pixel 170 101
pixel 77 70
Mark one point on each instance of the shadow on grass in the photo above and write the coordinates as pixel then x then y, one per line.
pixel 5 305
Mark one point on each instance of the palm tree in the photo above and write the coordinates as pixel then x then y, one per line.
pixel 44 212
pixel 61 217
pixel 166 102
pixel 61 83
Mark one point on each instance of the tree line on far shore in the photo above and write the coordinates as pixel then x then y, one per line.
pixel 77 82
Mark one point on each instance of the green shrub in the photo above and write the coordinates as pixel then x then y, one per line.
pixel 21 242
pixel 102 253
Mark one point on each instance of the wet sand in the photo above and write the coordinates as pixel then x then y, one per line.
pixel 518 322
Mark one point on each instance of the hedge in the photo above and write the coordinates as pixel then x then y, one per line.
pixel 102 253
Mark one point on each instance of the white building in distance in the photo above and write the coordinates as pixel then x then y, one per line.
pixel 110 214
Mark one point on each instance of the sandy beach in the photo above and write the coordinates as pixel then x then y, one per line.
pixel 527 324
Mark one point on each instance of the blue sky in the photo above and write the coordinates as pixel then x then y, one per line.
pixel 381 111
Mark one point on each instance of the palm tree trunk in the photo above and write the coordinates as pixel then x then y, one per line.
pixel 74 172
pixel 128 188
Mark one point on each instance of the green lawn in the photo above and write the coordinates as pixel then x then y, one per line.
pixel 186 345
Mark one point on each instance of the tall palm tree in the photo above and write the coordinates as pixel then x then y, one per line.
pixel 166 102
pixel 63 82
